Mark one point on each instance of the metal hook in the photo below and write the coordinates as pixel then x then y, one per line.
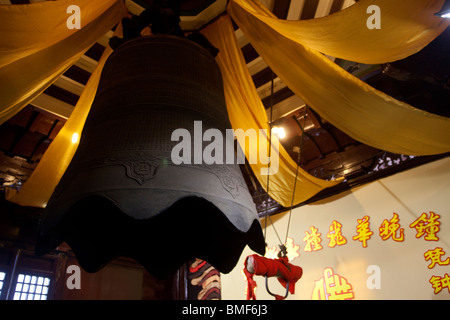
pixel 274 295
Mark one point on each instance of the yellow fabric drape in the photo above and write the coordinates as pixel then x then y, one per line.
pixel 365 114
pixel 406 27
pixel 246 111
pixel 37 190
pixel 36 46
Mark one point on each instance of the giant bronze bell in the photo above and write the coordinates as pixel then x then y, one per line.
pixel 122 195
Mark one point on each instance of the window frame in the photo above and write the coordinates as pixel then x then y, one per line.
pixel 25 262
pixel 32 274
pixel 5 286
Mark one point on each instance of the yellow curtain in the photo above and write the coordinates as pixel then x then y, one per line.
pixel 246 111
pixel 365 114
pixel 406 27
pixel 37 190
pixel 39 187
pixel 36 46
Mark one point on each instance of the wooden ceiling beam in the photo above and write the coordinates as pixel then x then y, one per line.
pixel 277 97
pixel 77 74
pixel 263 77
pixel 95 51
pixel 62 94
pixel 323 8
pixel 86 63
pixel 69 84
pixel 347 3
pixel 241 38
pixel 286 108
pixel 281 8
pixel 337 6
pixel 309 9
pixel 256 66
pixel 295 9
pixel 52 105
pixel 104 40
pixel 249 53
pixel 265 90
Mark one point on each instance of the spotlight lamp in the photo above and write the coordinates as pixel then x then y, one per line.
pixel 445 11
pixel 279 131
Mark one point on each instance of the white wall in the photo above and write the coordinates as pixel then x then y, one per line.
pixel 404 272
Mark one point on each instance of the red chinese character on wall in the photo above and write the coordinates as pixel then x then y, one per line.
pixel 363 231
pixel 271 253
pixel 440 283
pixel 428 226
pixel 312 240
pixel 435 257
pixel 392 229
pixel 291 249
pixel 335 235
pixel 332 287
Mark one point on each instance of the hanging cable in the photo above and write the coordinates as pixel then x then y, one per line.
pixel 302 128
pixel 290 273
pixel 267 216
pixel 269 154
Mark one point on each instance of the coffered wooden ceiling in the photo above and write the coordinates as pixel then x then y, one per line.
pixel 326 152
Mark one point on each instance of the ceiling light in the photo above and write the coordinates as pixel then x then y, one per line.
pixel 445 11
pixel 279 131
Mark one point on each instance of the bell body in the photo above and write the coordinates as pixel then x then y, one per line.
pixel 123 195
